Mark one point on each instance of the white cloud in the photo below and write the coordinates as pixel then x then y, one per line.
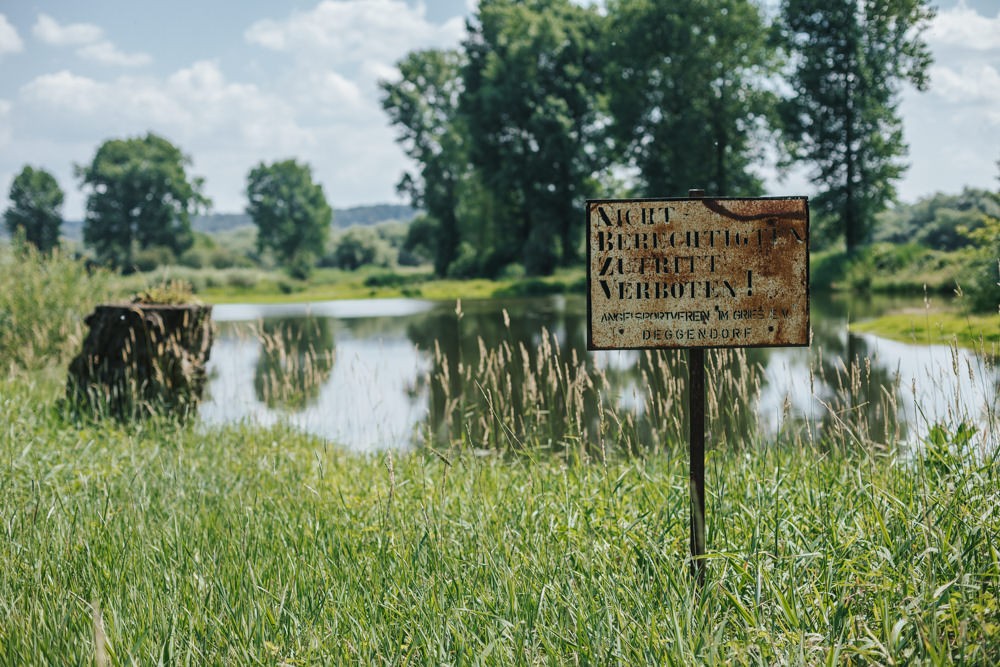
pixel 10 41
pixel 978 82
pixel 5 130
pixel 106 53
pixel 90 40
pixel 964 27
pixel 65 90
pixel 51 32
pixel 342 31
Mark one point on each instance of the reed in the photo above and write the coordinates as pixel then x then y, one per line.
pixel 43 300
pixel 248 545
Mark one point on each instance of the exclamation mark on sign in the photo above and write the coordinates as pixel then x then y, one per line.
pixel 749 283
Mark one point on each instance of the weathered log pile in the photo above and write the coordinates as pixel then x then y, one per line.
pixel 140 359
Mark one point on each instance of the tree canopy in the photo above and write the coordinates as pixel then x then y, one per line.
pixel 140 196
pixel 291 213
pixel 547 102
pixel 35 208
pixel 685 93
pixel 849 61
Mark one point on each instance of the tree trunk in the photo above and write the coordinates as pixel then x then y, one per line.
pixel 140 359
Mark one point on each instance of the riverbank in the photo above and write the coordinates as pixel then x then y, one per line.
pixel 942 323
pixel 938 325
pixel 218 286
pixel 249 545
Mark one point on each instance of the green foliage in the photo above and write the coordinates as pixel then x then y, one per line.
pixel 686 93
pixel 291 213
pixel 35 208
pixel 529 104
pixel 243 545
pixel 849 60
pixel 140 196
pixel 43 300
pixel 148 259
pixel 168 292
pixel 984 270
pixel 357 247
pixel 423 105
pixel 941 221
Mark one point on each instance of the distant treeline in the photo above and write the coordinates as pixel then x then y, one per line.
pixel 214 223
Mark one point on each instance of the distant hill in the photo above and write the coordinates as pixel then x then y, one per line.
pixel 214 223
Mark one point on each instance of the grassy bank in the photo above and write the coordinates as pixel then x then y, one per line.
pixel 242 285
pixel 261 546
pixel 937 326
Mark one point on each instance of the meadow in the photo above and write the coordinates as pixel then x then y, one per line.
pixel 527 532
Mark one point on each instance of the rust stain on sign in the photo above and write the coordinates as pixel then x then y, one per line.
pixel 697 272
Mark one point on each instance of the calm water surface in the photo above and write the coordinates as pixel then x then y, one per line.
pixel 357 372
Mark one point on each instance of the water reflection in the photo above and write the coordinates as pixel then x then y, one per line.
pixel 378 374
pixel 295 360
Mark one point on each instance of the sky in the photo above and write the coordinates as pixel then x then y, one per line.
pixel 236 83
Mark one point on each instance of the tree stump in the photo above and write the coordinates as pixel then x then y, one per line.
pixel 140 359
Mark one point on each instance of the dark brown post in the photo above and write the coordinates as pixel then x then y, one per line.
pixel 696 436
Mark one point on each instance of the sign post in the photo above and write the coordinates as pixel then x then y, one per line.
pixel 697 273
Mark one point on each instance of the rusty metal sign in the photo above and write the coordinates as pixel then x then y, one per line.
pixel 697 272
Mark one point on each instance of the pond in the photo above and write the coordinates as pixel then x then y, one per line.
pixel 397 373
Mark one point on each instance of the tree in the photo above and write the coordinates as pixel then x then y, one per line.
pixel 685 92
pixel 529 104
pixel 35 208
pixel 423 105
pixel 849 60
pixel 140 197
pixel 291 213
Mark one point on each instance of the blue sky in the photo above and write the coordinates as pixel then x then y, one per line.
pixel 239 82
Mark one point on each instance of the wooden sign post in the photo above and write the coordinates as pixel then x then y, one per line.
pixel 698 273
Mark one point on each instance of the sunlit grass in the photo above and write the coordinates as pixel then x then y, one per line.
pixel 542 524
pixel 937 327
pixel 249 545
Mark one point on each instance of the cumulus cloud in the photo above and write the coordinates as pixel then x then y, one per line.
pixel 106 53
pixel 52 32
pixel 5 131
pixel 65 90
pixel 341 31
pixel 90 40
pixel 964 27
pixel 10 41
pixel 970 84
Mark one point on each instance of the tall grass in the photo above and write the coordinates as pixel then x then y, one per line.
pixel 43 301
pixel 249 546
pixel 554 533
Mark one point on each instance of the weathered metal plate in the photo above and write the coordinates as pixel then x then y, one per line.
pixel 697 272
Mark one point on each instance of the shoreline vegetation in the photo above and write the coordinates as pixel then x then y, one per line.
pixel 943 321
pixel 524 532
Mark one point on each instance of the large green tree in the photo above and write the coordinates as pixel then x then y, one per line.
pixel 530 108
pixel 685 82
pixel 35 208
pixel 423 105
pixel 291 213
pixel 140 196
pixel 849 60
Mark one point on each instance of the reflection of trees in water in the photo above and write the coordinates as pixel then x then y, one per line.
pixel 296 358
pixel 497 382
pixel 861 398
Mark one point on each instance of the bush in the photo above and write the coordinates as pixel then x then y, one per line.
pixel 357 247
pixel 150 259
